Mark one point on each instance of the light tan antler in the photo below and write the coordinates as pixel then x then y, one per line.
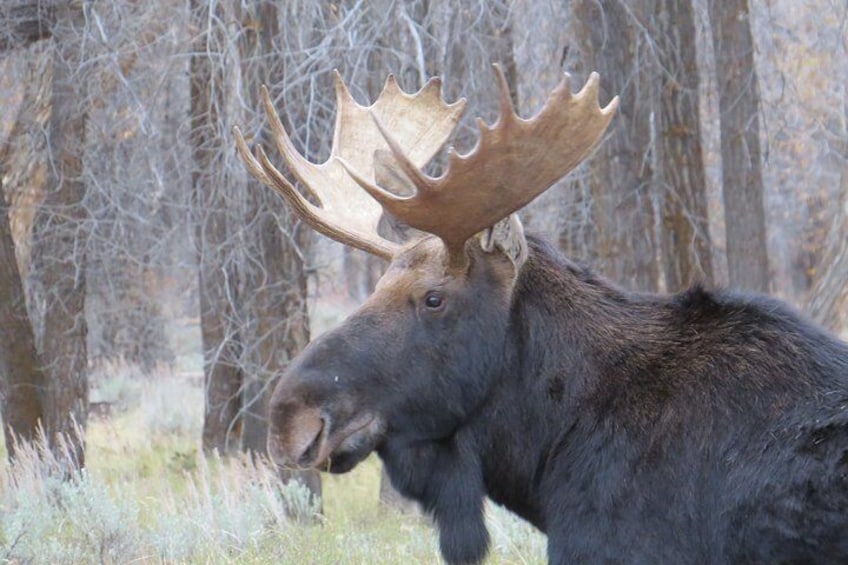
pixel 514 161
pixel 420 124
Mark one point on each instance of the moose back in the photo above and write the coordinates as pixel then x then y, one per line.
pixel 704 427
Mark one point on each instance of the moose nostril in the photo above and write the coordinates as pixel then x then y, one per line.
pixel 297 434
pixel 310 454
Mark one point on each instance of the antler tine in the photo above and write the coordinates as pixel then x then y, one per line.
pixel 320 219
pixel 342 210
pixel 395 204
pixel 504 98
pixel 265 172
pixel 514 161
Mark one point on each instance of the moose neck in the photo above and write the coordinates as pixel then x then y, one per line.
pixel 569 329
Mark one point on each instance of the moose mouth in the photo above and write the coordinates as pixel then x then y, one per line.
pixel 313 444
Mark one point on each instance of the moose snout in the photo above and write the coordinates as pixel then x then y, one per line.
pixel 297 435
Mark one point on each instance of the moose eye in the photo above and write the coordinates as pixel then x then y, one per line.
pixel 433 301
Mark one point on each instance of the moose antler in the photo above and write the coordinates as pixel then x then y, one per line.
pixel 420 124
pixel 514 161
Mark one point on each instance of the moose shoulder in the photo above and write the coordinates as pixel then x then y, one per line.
pixel 705 427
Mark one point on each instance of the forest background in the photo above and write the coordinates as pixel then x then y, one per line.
pixel 133 242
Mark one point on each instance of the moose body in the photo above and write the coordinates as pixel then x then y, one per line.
pixel 696 428
pixel 704 427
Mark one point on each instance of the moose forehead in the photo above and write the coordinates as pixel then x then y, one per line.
pixel 421 263
pixel 424 265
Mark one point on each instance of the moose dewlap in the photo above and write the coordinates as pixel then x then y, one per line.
pixel 704 427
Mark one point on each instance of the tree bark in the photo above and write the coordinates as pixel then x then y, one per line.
pixel 622 171
pixel 22 382
pixel 59 244
pixel 687 254
pixel 252 279
pixel 276 324
pixel 21 379
pixel 273 279
pixel 211 180
pixel 827 299
pixel 540 38
pixel 742 181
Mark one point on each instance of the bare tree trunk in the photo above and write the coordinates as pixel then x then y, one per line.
pixel 742 180
pixel 212 180
pixel 622 170
pixel 21 379
pixel 687 256
pixel 222 376
pixel 276 324
pixel 827 299
pixel 273 278
pixel 540 35
pixel 59 244
pixel 22 382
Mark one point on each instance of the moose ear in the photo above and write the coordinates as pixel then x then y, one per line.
pixel 508 236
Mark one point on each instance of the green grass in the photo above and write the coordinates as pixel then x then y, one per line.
pixel 149 496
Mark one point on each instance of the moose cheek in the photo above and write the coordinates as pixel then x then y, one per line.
pixel 360 437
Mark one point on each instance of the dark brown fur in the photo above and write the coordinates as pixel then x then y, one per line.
pixel 705 427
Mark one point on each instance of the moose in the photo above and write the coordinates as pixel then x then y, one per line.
pixel 709 426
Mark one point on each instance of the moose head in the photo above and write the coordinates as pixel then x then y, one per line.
pixel 418 361
pixel 411 364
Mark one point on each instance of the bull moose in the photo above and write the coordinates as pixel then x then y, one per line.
pixel 701 427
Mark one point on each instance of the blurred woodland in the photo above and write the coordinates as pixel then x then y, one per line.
pixel 128 222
